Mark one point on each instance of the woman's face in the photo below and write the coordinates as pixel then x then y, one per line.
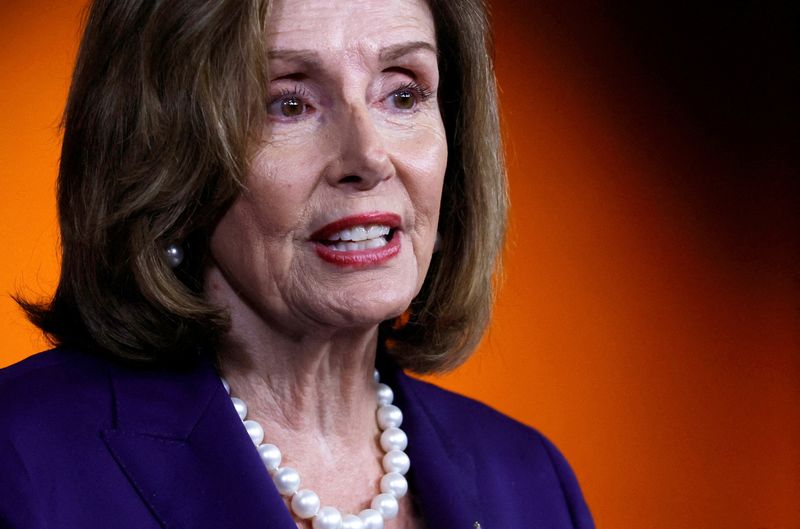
pixel 338 222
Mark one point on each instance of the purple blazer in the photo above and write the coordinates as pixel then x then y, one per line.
pixel 87 442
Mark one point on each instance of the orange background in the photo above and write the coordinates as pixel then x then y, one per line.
pixel 650 318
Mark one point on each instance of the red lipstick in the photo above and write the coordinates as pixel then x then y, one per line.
pixel 326 249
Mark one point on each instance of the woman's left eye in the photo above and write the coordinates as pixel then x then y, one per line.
pixel 408 96
pixel 404 99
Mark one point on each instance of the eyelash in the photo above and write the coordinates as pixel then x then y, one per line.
pixel 422 92
pixel 299 92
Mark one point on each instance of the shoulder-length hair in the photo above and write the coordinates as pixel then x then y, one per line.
pixel 165 102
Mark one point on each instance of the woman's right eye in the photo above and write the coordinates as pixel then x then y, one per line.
pixel 288 106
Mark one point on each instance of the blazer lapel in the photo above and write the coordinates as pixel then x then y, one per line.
pixel 183 448
pixel 442 477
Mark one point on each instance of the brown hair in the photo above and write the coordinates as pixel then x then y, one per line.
pixel 164 101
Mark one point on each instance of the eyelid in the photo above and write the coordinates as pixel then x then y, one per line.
pixel 297 90
pixel 423 90
pixel 414 69
pixel 412 79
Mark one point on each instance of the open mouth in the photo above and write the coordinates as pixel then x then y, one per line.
pixel 357 238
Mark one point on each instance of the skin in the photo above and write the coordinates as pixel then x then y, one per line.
pixel 341 139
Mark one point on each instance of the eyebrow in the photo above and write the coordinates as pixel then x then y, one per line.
pixel 307 57
pixel 394 52
pixel 310 58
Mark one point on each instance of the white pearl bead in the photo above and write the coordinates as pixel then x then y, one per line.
pixel 271 456
pixel 351 521
pixel 386 504
pixel 394 439
pixel 240 407
pixel 255 431
pixel 389 416
pixel 174 253
pixel 305 503
pixel 385 394
pixel 327 518
pixel 394 484
pixel 372 519
pixel 286 480
pixel 396 461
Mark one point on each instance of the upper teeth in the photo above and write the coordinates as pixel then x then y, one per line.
pixel 360 233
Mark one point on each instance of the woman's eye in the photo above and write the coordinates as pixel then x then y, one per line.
pixel 404 99
pixel 288 106
pixel 409 96
pixel 292 107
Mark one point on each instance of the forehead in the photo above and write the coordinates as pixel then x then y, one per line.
pixel 350 26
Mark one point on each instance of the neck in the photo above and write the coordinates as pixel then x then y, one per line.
pixel 311 387
pixel 312 379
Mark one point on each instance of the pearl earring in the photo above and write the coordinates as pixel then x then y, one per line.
pixel 174 254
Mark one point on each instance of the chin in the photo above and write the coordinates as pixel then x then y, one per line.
pixel 368 309
pixel 370 315
pixel 360 298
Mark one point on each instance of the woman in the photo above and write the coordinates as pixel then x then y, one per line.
pixel 227 260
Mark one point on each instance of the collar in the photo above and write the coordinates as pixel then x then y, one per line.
pixel 442 475
pixel 179 441
pixel 183 448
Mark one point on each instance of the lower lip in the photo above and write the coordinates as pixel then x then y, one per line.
pixel 360 258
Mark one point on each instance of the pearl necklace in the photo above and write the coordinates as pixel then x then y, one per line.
pixel 305 503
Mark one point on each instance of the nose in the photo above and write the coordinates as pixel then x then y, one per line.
pixel 361 158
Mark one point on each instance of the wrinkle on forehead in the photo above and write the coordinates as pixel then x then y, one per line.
pixel 351 29
pixel 310 57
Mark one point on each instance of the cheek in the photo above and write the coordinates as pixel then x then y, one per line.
pixel 252 228
pixel 277 195
pixel 234 234
pixel 425 160
pixel 249 247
